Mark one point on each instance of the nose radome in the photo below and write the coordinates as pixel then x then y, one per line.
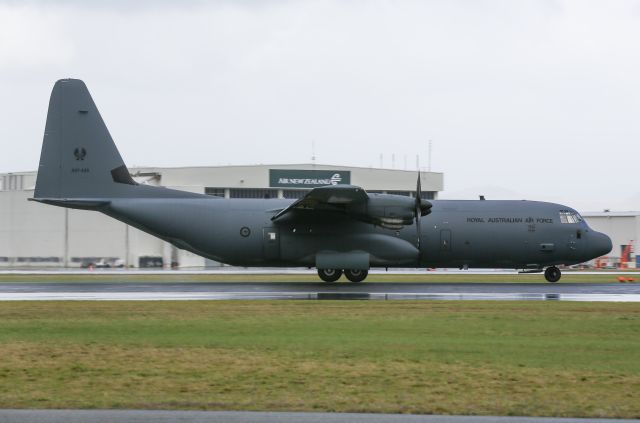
pixel 600 244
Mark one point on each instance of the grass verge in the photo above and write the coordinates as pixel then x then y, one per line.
pixel 492 358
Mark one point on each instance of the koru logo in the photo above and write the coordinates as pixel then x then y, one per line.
pixel 80 153
pixel 336 179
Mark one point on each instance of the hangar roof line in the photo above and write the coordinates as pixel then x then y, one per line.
pixel 273 176
pixel 611 214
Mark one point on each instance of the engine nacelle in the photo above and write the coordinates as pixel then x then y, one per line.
pixel 390 211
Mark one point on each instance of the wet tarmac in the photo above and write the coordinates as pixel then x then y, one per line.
pixel 123 291
pixel 104 416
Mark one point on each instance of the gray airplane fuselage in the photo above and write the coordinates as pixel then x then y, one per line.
pixel 473 233
pixel 336 229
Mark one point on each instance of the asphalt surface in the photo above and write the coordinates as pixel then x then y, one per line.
pixel 91 290
pixel 139 416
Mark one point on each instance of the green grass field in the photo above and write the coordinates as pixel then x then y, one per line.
pixel 492 358
pixel 567 277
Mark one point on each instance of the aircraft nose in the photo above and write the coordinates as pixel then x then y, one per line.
pixel 599 244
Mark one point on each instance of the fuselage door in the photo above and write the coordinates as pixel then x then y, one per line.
pixel 575 244
pixel 271 243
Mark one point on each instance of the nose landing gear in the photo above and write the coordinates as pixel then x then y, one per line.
pixel 552 274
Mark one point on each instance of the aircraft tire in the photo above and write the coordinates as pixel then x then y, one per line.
pixel 356 275
pixel 329 275
pixel 552 274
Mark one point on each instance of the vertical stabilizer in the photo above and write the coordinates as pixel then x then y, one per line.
pixel 78 159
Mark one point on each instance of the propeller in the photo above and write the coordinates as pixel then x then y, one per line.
pixel 418 211
pixel 422 208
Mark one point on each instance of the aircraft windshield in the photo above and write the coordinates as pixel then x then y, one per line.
pixel 569 217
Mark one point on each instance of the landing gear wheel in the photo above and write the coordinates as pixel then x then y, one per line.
pixel 329 275
pixel 552 274
pixel 356 275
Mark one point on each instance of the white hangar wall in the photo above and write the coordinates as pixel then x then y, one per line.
pixel 622 227
pixel 34 235
pixel 39 235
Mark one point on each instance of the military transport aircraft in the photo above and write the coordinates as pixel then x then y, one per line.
pixel 336 228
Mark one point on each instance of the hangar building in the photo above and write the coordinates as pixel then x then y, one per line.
pixel 624 229
pixel 38 235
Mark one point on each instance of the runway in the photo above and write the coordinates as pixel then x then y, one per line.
pixel 150 291
pixel 144 416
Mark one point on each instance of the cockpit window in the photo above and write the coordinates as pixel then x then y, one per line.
pixel 569 217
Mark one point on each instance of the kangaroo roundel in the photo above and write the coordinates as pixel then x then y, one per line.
pixel 80 153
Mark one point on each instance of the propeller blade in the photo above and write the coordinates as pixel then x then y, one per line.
pixel 418 230
pixel 418 211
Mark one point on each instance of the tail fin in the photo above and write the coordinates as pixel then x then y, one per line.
pixel 78 158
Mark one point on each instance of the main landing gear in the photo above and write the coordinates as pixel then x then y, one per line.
pixel 332 275
pixel 552 274
pixel 356 275
pixel 329 275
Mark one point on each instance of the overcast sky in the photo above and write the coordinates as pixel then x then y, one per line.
pixel 521 99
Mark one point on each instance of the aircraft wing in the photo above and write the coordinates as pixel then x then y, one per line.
pixel 330 197
pixel 386 210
